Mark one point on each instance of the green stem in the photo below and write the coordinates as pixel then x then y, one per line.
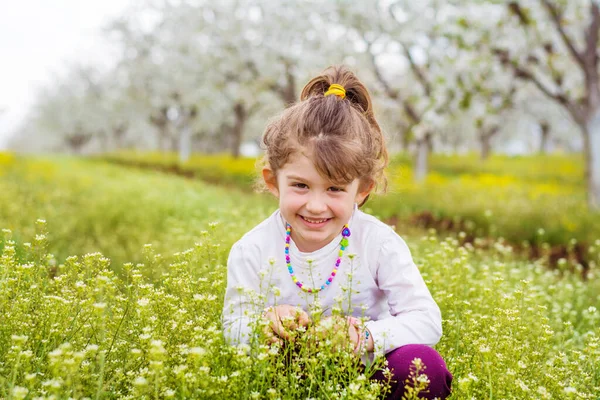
pixel 14 376
pixel 487 365
pixel 101 380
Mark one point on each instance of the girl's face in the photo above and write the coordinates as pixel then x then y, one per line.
pixel 315 208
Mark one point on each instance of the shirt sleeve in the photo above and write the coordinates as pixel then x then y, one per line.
pixel 415 316
pixel 242 300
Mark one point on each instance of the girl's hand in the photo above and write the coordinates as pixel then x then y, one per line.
pixel 283 320
pixel 331 328
pixel 359 336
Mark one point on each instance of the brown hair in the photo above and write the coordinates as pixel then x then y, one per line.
pixel 342 135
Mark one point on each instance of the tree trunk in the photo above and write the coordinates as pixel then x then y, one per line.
pixel 238 128
pixel 591 134
pixel 422 157
pixel 545 136
pixel 161 122
pixel 486 146
pixel 185 138
pixel 485 139
pixel 288 93
pixel 406 140
pixel 429 142
pixel 119 131
pixel 77 141
pixel 185 142
pixel 163 139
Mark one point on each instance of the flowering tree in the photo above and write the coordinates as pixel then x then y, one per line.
pixel 413 62
pixel 73 113
pixel 205 75
pixel 220 63
pixel 558 54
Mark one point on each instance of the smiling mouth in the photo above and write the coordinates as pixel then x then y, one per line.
pixel 315 221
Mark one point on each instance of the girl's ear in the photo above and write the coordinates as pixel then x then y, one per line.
pixel 363 193
pixel 271 181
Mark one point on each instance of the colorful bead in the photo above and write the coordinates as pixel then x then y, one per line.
pixel 343 246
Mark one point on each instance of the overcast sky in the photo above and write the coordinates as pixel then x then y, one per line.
pixel 40 38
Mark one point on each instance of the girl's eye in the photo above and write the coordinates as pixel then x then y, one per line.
pixel 300 185
pixel 336 189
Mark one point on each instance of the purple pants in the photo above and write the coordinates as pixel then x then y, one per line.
pixel 399 363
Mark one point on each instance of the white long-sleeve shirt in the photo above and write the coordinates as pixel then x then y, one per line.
pixel 387 287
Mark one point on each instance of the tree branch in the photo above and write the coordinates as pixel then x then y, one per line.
pixel 416 70
pixel 390 92
pixel 523 73
pixel 592 33
pixel 591 48
pixel 556 20
pixel 516 9
pixel 560 98
pixel 413 66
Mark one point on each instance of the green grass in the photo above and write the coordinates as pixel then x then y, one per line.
pixel 91 207
pixel 93 325
pixel 534 199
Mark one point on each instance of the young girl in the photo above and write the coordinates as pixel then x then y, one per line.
pixel 324 156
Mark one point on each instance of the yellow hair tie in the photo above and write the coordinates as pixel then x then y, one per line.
pixel 337 90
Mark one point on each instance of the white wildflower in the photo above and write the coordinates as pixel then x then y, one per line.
pixel 143 302
pixel 140 381
pixel 19 392
pixel 197 351
pixel 91 347
pixel 570 390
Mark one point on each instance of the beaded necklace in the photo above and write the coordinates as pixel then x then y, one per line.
pixel 343 245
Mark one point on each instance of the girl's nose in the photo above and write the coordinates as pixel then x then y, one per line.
pixel 316 204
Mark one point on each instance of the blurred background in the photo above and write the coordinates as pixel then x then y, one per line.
pixel 164 75
pixel 490 108
pixel 129 139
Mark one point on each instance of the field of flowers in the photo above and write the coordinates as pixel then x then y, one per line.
pixel 112 210
pixel 141 319
pixel 536 199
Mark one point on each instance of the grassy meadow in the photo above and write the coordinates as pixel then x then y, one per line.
pixel 532 200
pixel 112 282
